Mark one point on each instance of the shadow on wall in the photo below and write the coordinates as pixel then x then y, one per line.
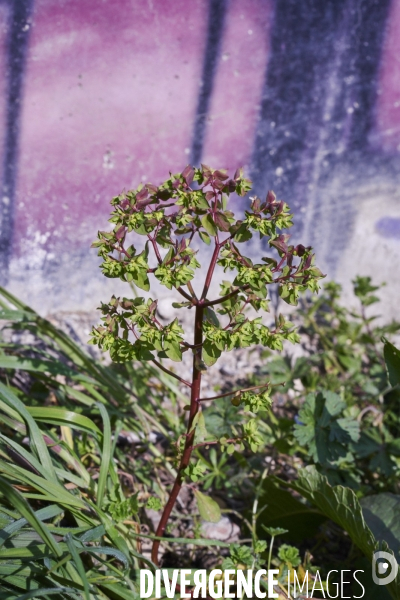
pixel 101 97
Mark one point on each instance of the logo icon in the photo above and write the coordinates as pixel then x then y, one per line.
pixel 387 566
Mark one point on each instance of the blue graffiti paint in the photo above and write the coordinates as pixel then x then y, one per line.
pixel 216 19
pixel 17 46
pixel 317 110
pixel 388 227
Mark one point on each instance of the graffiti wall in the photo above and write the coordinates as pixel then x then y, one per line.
pixel 98 95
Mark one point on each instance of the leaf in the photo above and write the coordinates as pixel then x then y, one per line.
pixel 392 360
pixel 285 511
pixel 382 515
pixel 200 425
pixel 211 317
pixel 36 437
pixel 79 565
pixel 211 353
pixel 19 502
pixel 274 531
pixel 106 454
pixel 205 237
pixel 61 416
pixel 209 225
pixel 173 350
pixel 209 510
pixel 326 436
pixel 242 234
pixel 188 174
pixel 221 221
pixel 340 504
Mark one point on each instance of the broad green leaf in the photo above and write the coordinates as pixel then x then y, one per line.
pixel 209 510
pixel 392 360
pixel 211 316
pixel 209 225
pixel 210 353
pixel 173 350
pixel 285 511
pixel 382 515
pixel 205 237
pixel 200 425
pixel 340 504
pixel 326 436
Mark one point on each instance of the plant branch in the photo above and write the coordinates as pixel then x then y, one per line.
pixel 186 295
pixel 210 271
pixel 214 442
pixel 250 389
pixel 226 297
pixel 160 366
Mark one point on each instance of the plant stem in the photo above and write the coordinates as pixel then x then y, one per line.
pixel 270 553
pixel 190 432
pixel 214 442
pixel 210 270
pixel 160 366
pixel 233 392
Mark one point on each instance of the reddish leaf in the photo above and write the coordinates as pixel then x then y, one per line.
pixel 222 222
pixel 221 175
pixel 271 197
pixel 142 194
pixel 238 174
pixel 188 174
pixel 119 234
pixel 256 204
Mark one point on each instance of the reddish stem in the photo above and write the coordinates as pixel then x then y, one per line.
pixel 188 449
pixel 211 268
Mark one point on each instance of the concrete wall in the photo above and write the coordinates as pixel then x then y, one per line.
pixel 98 95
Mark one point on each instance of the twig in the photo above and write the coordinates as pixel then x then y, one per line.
pixel 160 366
pixel 250 389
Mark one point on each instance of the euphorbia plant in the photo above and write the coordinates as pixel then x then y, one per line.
pixel 188 208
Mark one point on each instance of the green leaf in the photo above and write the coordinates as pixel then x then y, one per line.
pixel 36 437
pixel 326 436
pixel 274 531
pixel 209 225
pixel 382 515
pixel 340 504
pixel 173 350
pixel 210 315
pixel 205 237
pixel 62 416
pixel 243 234
pixel 79 566
pixel 286 512
pixel 209 510
pixel 200 425
pixel 19 502
pixel 106 454
pixel 211 353
pixel 392 360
